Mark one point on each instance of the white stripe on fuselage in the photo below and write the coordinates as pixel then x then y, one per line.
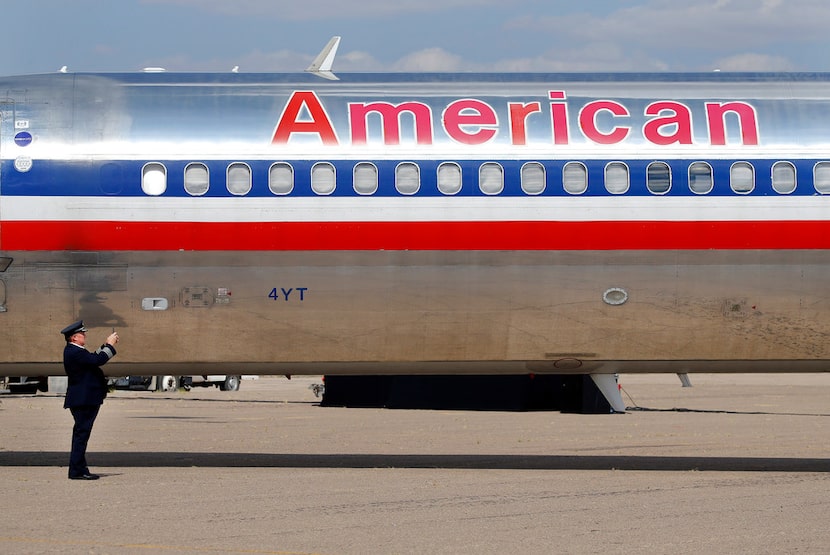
pixel 415 209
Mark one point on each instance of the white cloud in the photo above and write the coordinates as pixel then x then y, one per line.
pixel 699 35
pixel 357 61
pixel 702 25
pixel 650 35
pixel 593 57
pixel 254 61
pixel 754 62
pixel 430 59
pixel 257 61
pixel 324 9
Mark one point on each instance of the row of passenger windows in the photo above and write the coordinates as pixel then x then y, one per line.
pixel 617 178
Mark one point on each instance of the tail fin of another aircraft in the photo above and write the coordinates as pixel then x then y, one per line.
pixel 321 65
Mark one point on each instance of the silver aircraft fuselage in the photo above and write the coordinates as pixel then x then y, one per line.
pixel 417 223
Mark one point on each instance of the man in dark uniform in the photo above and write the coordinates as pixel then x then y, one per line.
pixel 85 391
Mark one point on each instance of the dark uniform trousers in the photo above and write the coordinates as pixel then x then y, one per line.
pixel 84 419
pixel 85 392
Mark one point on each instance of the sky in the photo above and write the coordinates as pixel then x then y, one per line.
pixel 40 36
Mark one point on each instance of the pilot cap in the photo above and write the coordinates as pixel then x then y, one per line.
pixel 73 328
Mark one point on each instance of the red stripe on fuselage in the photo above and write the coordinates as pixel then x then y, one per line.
pixel 349 236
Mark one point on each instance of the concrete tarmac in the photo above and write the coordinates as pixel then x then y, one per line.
pixel 735 464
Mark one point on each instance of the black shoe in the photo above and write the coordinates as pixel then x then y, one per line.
pixel 85 477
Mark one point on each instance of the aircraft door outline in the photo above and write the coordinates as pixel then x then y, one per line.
pixel 5 261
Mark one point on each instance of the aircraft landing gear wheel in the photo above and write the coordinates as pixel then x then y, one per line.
pixel 168 383
pixel 231 383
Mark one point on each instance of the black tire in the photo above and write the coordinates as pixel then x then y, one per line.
pixel 231 383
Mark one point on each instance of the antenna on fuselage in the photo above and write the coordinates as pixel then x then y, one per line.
pixel 321 66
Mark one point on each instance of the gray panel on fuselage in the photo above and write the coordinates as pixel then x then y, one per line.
pixel 271 310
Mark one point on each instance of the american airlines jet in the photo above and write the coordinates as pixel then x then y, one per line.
pixel 583 223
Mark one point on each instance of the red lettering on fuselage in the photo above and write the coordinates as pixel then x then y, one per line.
pixel 473 122
pixel 559 118
pixel 716 117
pixel 518 120
pixel 470 121
pixel 391 121
pixel 291 122
pixel 588 122
pixel 672 124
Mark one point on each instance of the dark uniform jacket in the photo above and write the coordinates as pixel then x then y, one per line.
pixel 86 385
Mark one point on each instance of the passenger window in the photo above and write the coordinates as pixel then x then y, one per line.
pixel 323 178
pixel 658 178
pixel 365 178
pixel 783 177
pixel 281 178
pixel 742 177
pixel 616 178
pixel 196 179
pixel 239 178
pixel 154 179
pixel 407 178
pixel 575 178
pixel 700 178
pixel 821 178
pixel 449 178
pixel 533 178
pixel 491 178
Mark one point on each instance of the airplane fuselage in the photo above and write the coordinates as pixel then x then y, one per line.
pixel 504 223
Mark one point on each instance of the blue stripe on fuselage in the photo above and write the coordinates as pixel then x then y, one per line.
pixel 52 178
